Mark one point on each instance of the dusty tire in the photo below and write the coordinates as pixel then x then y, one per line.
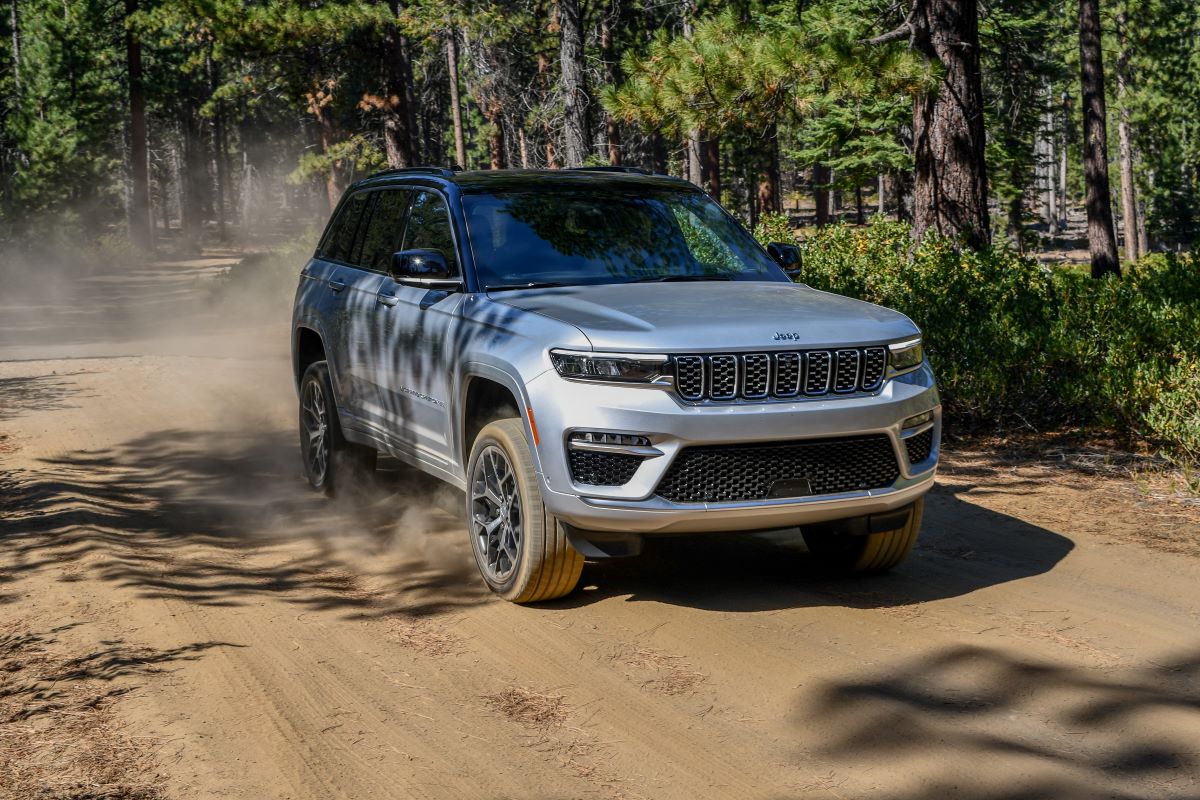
pixel 331 463
pixel 865 555
pixel 546 566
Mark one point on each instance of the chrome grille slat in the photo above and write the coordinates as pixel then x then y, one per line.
pixel 723 377
pixel 787 374
pixel 761 376
pixel 817 371
pixel 756 375
pixel 845 377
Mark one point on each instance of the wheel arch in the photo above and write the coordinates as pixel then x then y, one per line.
pixel 486 392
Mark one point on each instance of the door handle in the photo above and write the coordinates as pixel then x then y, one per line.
pixel 336 284
pixel 388 299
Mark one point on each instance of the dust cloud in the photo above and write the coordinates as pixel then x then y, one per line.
pixel 178 370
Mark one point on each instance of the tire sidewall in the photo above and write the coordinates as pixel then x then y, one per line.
pixel 500 434
pixel 318 372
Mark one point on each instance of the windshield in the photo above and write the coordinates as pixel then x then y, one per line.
pixel 575 237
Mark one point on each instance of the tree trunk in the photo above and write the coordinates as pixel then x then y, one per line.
pixel 139 157
pixel 1063 200
pixel 460 143
pixel 882 195
pixel 218 143
pixel 575 98
pixel 335 179
pixel 523 148
pixel 1102 240
pixel 658 153
pixel 711 167
pixel 820 179
pixel 195 177
pixel 494 114
pixel 860 215
pixel 399 114
pixel 768 174
pixel 950 178
pixel 14 18
pixel 1129 205
pixel 547 131
pixel 612 77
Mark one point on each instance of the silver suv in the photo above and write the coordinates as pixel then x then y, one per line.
pixel 599 355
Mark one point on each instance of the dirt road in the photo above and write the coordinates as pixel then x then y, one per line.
pixel 251 640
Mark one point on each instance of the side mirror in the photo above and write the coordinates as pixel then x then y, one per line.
pixel 423 269
pixel 786 256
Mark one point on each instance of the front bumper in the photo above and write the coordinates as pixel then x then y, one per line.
pixel 563 406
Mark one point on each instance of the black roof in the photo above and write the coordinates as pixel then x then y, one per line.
pixel 500 179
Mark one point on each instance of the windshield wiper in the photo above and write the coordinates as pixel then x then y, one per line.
pixel 508 287
pixel 681 278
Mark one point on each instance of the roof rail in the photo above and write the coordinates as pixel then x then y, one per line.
pixel 630 170
pixel 441 172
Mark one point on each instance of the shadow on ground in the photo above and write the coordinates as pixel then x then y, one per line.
pixel 196 516
pixel 36 679
pixel 976 723
pixel 963 548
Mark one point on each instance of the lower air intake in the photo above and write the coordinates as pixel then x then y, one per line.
pixel 730 473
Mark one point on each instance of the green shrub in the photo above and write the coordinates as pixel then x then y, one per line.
pixel 1012 339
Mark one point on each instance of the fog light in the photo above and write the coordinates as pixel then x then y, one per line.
pixel 618 439
pixel 918 420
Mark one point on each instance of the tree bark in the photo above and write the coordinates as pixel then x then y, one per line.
pixel 14 18
pixel 139 157
pixel 575 98
pixel 711 167
pixel 1102 239
pixel 658 153
pixel 950 178
pixel 820 179
pixel 612 131
pixel 460 143
pixel 768 174
pixel 399 112
pixel 1129 205
pixel 544 79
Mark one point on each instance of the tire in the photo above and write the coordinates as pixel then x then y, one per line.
pixel 331 463
pixel 866 555
pixel 500 469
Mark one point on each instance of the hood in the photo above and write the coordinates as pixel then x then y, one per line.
pixel 713 317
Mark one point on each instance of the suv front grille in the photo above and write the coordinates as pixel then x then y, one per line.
pixel 733 472
pixel 757 376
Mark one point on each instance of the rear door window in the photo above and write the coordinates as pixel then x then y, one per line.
pixel 383 232
pixel 339 245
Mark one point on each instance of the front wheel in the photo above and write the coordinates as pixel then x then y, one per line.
pixel 520 548
pixel 864 555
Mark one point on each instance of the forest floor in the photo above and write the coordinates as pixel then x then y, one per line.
pixel 180 618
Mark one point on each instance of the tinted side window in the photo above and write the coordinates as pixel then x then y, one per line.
pixel 429 228
pixel 341 238
pixel 384 231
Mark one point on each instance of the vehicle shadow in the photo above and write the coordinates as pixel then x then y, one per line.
pixel 977 723
pixel 963 548
pixel 215 518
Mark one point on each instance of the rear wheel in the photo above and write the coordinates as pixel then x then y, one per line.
pixel 865 555
pixel 331 462
pixel 520 548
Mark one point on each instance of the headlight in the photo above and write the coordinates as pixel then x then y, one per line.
pixel 626 367
pixel 905 356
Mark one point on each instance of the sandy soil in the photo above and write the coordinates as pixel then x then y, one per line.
pixel 159 552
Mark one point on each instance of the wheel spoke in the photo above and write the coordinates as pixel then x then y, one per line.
pixel 496 514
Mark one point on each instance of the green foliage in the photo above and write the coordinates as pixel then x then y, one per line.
pixel 1011 339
